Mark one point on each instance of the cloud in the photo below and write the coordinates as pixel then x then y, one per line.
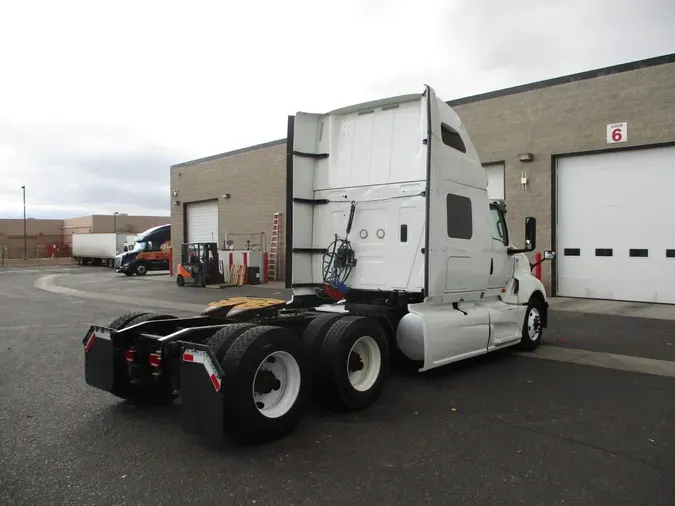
pixel 530 40
pixel 101 101
pixel 82 170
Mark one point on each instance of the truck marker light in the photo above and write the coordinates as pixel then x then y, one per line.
pixel 198 356
pixel 154 359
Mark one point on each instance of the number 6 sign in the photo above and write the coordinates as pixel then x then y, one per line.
pixel 617 132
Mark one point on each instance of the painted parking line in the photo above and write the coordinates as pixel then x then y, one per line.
pixel 49 326
pixel 19 271
pixel 48 284
pixel 9 270
pixel 606 360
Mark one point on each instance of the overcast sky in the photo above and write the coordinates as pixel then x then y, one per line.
pixel 98 99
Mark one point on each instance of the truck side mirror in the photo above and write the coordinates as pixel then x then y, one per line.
pixel 530 233
pixel 530 237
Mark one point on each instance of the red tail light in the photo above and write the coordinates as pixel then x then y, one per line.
pixel 154 359
pixel 129 355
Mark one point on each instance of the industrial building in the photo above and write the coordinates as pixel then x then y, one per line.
pixel 590 155
pixel 53 237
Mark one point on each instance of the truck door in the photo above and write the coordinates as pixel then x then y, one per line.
pixel 501 264
pixel 458 261
pixel 457 325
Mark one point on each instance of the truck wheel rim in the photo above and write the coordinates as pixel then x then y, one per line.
pixel 533 324
pixel 140 269
pixel 276 384
pixel 364 363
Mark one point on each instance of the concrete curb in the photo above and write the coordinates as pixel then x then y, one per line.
pixel 47 283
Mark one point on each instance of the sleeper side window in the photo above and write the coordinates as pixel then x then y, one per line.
pixel 460 217
pixel 452 138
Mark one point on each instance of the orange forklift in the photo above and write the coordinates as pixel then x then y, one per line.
pixel 199 265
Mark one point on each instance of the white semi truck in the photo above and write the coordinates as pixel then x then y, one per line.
pixel 393 246
pixel 97 249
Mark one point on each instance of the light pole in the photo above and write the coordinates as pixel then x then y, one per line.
pixel 115 221
pixel 25 247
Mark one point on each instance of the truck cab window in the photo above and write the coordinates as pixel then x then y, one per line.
pixel 498 226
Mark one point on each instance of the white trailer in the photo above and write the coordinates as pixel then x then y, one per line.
pixel 393 247
pixel 97 249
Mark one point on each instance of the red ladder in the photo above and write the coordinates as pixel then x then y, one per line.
pixel 274 248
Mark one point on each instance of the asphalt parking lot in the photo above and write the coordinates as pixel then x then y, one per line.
pixel 504 429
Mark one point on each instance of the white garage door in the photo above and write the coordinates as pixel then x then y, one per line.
pixel 495 174
pixel 616 225
pixel 202 221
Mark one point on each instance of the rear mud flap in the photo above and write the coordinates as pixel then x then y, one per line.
pixel 99 358
pixel 201 398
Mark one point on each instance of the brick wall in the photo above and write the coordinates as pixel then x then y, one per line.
pixel 566 118
pixel 254 177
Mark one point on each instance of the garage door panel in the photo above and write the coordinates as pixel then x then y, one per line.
pixel 611 207
pixel 202 221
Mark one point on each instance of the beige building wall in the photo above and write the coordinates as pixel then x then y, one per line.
pixel 255 178
pixel 564 119
pixel 126 224
pixel 78 225
pixel 39 233
pixel 105 224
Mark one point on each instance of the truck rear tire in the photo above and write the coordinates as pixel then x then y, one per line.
pixel 355 360
pixel 313 336
pixel 221 341
pixel 123 321
pixel 150 317
pixel 267 383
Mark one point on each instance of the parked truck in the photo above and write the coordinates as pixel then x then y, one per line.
pixel 150 252
pixel 97 249
pixel 393 247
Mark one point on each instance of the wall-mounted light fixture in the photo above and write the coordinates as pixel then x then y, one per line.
pixel 226 195
pixel 523 180
pixel 525 157
pixel 174 193
pixel 176 202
